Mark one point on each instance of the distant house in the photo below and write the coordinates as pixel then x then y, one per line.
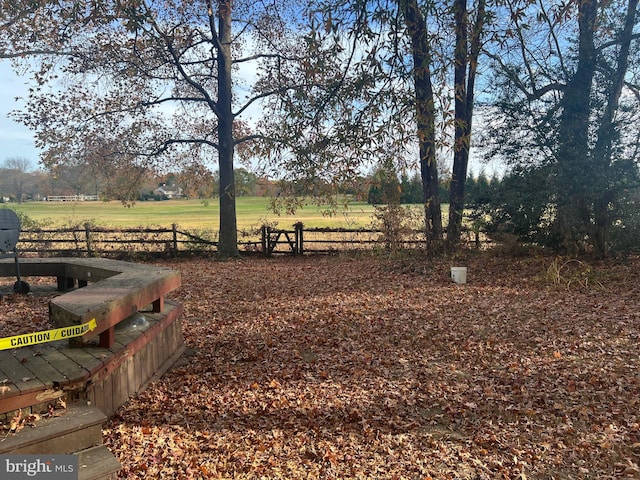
pixel 168 191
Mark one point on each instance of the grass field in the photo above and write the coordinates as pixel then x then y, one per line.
pixel 252 212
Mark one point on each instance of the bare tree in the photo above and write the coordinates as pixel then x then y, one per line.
pixel 145 81
pixel 17 177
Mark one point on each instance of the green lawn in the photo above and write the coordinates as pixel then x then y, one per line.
pixel 252 212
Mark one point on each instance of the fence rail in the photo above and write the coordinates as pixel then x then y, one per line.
pixel 72 198
pixel 89 240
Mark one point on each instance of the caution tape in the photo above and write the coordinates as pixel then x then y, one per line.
pixel 28 339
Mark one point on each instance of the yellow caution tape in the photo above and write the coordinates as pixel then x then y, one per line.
pixel 45 336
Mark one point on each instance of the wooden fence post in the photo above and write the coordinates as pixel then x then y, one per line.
pixel 299 238
pixel 266 240
pixel 174 229
pixel 87 235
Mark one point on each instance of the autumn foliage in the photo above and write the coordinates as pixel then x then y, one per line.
pixel 339 367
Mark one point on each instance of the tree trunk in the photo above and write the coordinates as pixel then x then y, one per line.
pixel 228 240
pixel 573 150
pixel 461 123
pixel 464 97
pixel 425 117
pixel 602 154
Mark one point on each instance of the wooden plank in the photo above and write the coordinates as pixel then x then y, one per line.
pixel 123 379
pixel 76 428
pixel 127 338
pixel 33 360
pixel 46 437
pixel 149 366
pixel 138 367
pixel 133 373
pixel 26 400
pixel 9 389
pixel 83 357
pixel 30 267
pixel 72 371
pixel 146 365
pixel 117 347
pixel 91 394
pixel 106 403
pixel 132 381
pixel 96 393
pixel 156 354
pixel 168 338
pixel 97 463
pixel 20 376
pixel 118 393
pixel 178 338
pixel 100 354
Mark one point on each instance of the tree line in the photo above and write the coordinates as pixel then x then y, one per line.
pixel 316 92
pixel 20 182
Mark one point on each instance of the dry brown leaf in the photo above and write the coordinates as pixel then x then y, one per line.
pixel 335 367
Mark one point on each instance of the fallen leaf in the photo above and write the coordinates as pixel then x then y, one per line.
pixel 298 370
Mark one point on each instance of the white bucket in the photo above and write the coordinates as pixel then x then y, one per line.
pixel 459 274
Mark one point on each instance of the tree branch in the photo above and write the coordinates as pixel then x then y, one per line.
pixel 536 94
pixel 260 56
pixel 24 53
pixel 160 101
pixel 164 146
pixel 612 43
pixel 178 64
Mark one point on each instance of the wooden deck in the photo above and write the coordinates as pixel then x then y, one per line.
pixel 126 358
pixel 110 290
pixel 31 377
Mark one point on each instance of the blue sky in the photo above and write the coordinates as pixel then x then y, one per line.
pixel 16 140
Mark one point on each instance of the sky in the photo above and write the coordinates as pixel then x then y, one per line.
pixel 16 140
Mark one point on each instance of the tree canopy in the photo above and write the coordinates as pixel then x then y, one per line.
pixel 145 84
pixel 340 87
pixel 568 112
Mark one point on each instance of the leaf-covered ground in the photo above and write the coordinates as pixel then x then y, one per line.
pixel 338 367
pixel 24 313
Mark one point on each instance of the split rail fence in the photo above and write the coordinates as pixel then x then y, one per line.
pixel 90 240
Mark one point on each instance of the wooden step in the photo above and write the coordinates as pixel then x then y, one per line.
pixel 77 428
pixel 97 463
